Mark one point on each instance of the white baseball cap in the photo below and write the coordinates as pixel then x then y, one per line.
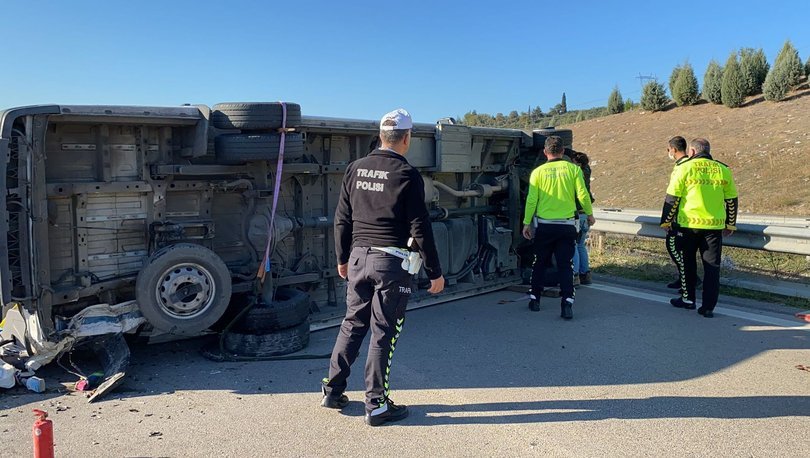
pixel 402 120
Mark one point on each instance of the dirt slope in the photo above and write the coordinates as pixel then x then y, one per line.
pixel 767 146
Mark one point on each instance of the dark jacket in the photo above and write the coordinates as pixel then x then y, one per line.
pixel 382 204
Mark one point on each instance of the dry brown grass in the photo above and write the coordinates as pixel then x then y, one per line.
pixel 766 144
pixel 642 258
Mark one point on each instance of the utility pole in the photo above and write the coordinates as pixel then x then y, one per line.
pixel 644 78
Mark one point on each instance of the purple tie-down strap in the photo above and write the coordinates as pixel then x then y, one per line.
pixel 265 267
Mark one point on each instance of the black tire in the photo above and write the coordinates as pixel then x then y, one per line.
pixel 540 135
pixel 289 308
pixel 254 116
pixel 183 289
pixel 242 148
pixel 238 303
pixel 271 344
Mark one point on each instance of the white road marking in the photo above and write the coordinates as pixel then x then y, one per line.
pixel 756 317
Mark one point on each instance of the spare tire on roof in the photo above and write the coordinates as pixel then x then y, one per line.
pixel 242 148
pixel 254 116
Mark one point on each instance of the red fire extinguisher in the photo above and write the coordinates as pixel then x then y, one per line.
pixel 43 435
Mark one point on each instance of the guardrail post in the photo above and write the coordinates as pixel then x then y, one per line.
pixel 600 242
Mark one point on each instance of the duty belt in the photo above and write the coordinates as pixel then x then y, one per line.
pixel 568 221
pixel 411 261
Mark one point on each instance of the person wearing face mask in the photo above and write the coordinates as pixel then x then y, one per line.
pixel 702 198
pixel 676 150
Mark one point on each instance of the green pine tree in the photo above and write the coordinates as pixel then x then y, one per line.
pixel 754 68
pixel 762 66
pixel 712 81
pixel 674 77
pixel 732 90
pixel 628 104
pixel 786 72
pixel 685 90
pixel 777 84
pixel 654 96
pixel 788 59
pixel 563 105
pixel 615 102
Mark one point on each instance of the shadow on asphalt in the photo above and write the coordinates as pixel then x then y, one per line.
pixel 604 409
pixel 481 342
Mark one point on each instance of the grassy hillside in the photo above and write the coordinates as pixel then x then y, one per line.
pixel 767 146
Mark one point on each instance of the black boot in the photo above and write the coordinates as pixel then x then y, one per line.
pixel 566 305
pixel 682 304
pixel 386 413
pixel 334 402
pixel 534 302
pixel 585 279
pixel 534 305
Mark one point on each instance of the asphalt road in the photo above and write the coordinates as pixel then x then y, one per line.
pixel 629 376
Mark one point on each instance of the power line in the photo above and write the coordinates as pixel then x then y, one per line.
pixel 642 78
pixel 584 105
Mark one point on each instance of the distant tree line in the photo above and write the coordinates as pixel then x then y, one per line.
pixel 746 73
pixel 535 118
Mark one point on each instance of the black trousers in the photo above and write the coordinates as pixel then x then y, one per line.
pixel 710 244
pixel 558 240
pixel 674 242
pixel 376 298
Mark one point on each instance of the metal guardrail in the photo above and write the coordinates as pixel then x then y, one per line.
pixel 769 220
pixel 754 232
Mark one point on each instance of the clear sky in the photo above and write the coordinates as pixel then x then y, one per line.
pixel 360 59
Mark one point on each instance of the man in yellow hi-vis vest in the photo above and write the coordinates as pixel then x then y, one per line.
pixel 678 151
pixel 702 200
pixel 554 189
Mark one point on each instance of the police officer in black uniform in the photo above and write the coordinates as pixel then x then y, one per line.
pixel 381 206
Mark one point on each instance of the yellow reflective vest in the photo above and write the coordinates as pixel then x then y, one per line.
pixel 554 188
pixel 703 186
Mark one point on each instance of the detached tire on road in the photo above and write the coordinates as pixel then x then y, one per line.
pixel 289 308
pixel 183 289
pixel 277 343
pixel 254 116
pixel 242 148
